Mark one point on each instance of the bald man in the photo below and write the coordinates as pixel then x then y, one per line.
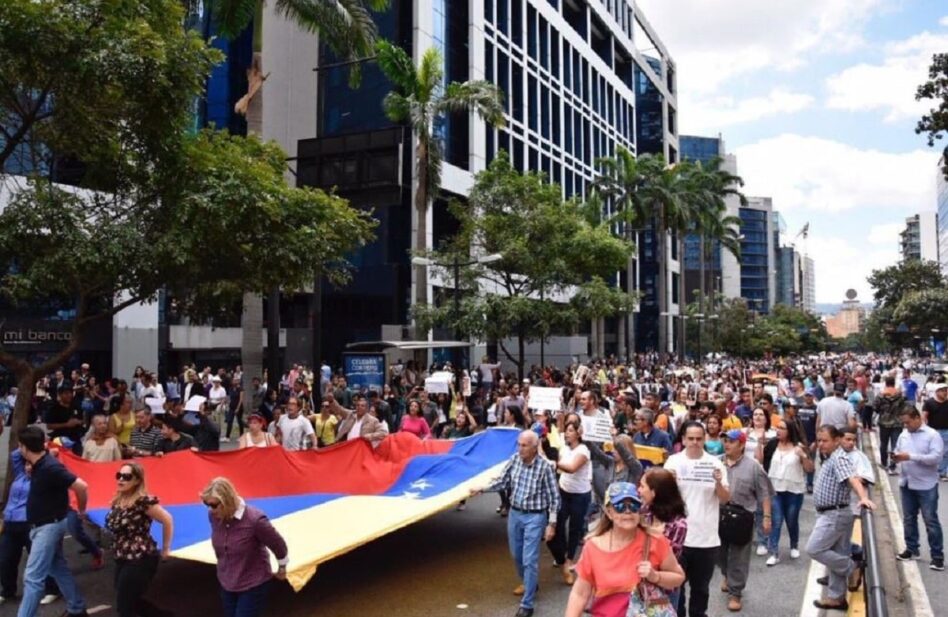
pixel 530 480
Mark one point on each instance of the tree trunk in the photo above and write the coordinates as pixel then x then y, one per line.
pixel 682 301
pixel 251 318
pixel 26 382
pixel 520 354
pixel 421 231
pixel 662 287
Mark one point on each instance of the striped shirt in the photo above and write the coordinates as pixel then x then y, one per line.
pixel 532 485
pixel 144 441
pixel 832 483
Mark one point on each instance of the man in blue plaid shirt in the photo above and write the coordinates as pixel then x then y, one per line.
pixel 534 502
pixel 830 539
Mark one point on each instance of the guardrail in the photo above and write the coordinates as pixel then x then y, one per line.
pixel 873 587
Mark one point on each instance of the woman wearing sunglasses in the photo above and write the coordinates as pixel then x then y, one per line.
pixel 135 550
pixel 614 562
pixel 241 535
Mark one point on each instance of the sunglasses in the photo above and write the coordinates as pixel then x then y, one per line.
pixel 629 507
pixel 212 506
pixel 124 477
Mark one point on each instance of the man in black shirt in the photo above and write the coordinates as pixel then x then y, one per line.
pixel 46 508
pixel 935 411
pixel 63 418
pixel 172 439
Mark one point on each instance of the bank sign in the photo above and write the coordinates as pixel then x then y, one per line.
pixel 364 371
pixel 37 335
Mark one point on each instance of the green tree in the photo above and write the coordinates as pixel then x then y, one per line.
pixel 935 123
pixel 924 312
pixel 647 192
pixel 550 274
pixel 347 29
pixel 893 283
pixel 206 216
pixel 419 100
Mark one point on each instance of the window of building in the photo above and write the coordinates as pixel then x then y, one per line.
pixel 555 128
pixel 516 22
pixel 503 15
pixel 533 110
pixel 489 145
pixel 532 32
pixel 554 52
pixel 503 78
pixel 516 77
pixel 489 10
pixel 533 159
pixel 518 154
pixel 545 111
pixel 675 284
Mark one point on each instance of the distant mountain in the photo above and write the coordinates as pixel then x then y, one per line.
pixel 831 308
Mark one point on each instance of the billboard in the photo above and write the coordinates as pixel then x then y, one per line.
pixel 364 371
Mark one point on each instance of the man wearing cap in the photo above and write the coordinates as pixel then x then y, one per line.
pixel 534 502
pixel 836 410
pixel 63 418
pixel 703 483
pixel 920 450
pixel 750 489
pixel 935 413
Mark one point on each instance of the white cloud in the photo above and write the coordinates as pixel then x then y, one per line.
pixel 885 234
pixel 719 112
pixel 713 41
pixel 889 86
pixel 842 262
pixel 828 176
pixel 852 198
pixel 943 21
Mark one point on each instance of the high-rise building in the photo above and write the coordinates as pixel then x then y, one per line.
pixel 942 192
pixel 919 239
pixel 721 268
pixel 580 78
pixel 795 279
pixel 808 285
pixel 760 230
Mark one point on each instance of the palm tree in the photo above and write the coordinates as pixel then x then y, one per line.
pixel 347 29
pixel 646 189
pixel 418 100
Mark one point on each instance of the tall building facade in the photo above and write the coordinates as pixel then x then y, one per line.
pixel 941 184
pixel 721 271
pixel 808 285
pixel 919 238
pixel 579 79
pixel 759 231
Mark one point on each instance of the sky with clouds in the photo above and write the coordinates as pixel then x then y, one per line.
pixel 816 98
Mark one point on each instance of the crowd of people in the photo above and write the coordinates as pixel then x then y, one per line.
pixel 739 447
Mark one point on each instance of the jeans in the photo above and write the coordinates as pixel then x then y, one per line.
pixel 570 522
pixel 925 501
pixel 866 417
pixel 698 564
pixel 524 534
pixel 943 466
pixel 77 531
pixel 762 538
pixel 46 559
pixel 13 541
pixel 239 415
pixel 132 578
pixel 830 545
pixel 247 603
pixel 888 436
pixel 786 509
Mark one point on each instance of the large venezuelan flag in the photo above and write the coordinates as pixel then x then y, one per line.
pixel 324 503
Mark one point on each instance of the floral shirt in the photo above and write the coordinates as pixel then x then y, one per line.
pixel 131 529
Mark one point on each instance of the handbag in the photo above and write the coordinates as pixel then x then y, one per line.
pixel 736 524
pixel 648 600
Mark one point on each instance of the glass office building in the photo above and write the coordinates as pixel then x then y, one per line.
pixel 579 78
pixel 758 257
pixel 942 193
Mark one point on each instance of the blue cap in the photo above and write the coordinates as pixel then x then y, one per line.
pixel 811 391
pixel 736 434
pixel 620 491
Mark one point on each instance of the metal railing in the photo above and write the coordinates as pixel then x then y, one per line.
pixel 872 585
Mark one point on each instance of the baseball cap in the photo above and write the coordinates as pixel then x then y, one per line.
pixel 620 491
pixel 940 386
pixel 810 392
pixel 736 434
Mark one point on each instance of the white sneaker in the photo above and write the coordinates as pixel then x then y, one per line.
pixel 225 439
pixel 49 598
pixel 761 550
pixel 773 560
pixel 794 553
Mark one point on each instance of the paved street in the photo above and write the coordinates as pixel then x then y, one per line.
pixel 455 563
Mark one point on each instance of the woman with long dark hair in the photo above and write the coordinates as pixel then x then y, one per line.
pixel 787 462
pixel 575 484
pixel 664 510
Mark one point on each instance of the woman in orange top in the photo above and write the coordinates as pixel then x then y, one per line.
pixel 613 564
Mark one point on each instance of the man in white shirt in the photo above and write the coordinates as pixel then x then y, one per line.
pixel 293 429
pixel 703 483
pixel 836 410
